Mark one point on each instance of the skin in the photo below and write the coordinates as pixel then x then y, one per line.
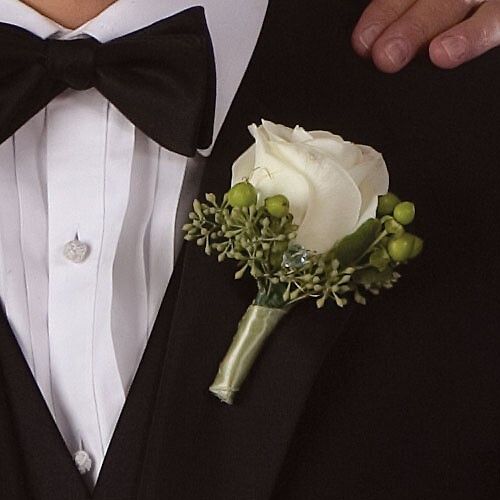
pixel 69 13
pixel 392 32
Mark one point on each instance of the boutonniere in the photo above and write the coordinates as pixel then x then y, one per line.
pixel 308 216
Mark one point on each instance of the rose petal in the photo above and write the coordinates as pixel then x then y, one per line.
pixel 279 133
pixel 374 184
pixel 274 180
pixel 332 185
pixel 243 166
pixel 346 153
pixel 332 209
pixel 335 210
pixel 378 175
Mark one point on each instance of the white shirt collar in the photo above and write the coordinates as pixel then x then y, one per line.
pixel 234 27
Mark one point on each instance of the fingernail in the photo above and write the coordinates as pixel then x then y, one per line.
pixel 397 51
pixel 455 47
pixel 369 35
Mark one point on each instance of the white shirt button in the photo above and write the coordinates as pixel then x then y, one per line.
pixel 76 251
pixel 82 461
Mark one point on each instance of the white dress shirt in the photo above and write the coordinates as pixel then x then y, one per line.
pixel 79 170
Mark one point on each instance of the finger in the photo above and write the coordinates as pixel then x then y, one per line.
pixel 469 39
pixel 425 19
pixel 376 17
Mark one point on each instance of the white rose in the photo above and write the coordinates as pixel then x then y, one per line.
pixel 332 184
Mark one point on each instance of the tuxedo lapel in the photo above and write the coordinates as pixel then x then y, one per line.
pixel 199 447
pixel 47 462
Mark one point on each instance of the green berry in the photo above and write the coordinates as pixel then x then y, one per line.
pixel 404 212
pixel 242 194
pixel 386 204
pixel 401 248
pixel 278 205
pixel 417 247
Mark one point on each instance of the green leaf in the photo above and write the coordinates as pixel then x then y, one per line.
pixel 380 259
pixel 372 276
pixel 350 248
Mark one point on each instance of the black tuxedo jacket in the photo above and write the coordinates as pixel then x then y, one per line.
pixel 398 399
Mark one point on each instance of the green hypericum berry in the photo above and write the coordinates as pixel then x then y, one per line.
pixel 278 205
pixel 242 194
pixel 401 248
pixel 386 204
pixel 392 226
pixel 404 212
pixel 418 244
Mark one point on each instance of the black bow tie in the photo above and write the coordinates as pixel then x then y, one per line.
pixel 162 78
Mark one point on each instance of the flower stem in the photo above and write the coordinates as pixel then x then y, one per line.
pixel 382 235
pixel 253 329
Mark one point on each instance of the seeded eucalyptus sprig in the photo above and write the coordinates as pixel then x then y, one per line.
pixel 261 240
pixel 250 235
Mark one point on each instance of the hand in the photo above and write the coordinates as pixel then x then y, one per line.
pixel 391 32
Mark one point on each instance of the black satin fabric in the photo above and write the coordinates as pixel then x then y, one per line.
pixel 162 78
